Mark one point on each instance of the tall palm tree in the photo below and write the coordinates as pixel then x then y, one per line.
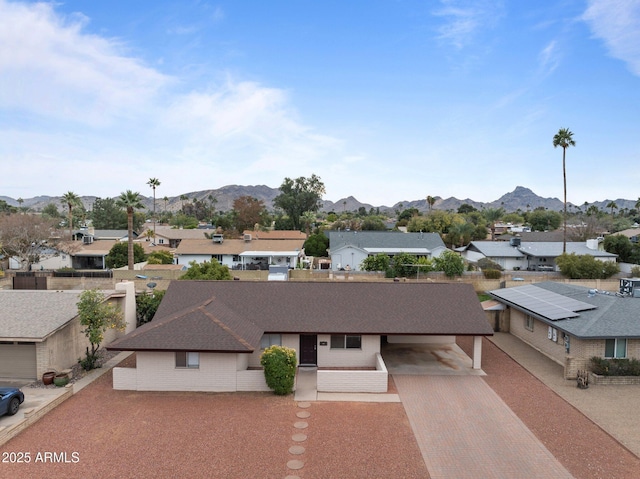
pixel 612 205
pixel 564 139
pixel 153 183
pixel 166 200
pixel 430 201
pixel 493 215
pixel 129 201
pixel 70 199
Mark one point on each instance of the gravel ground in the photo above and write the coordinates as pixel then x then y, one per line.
pixel 123 434
pixel 586 450
pixel 248 435
pixel 77 372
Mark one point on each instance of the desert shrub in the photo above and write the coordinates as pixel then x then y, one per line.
pixel 635 271
pixel 492 273
pixel 486 263
pixel 615 367
pixel 279 365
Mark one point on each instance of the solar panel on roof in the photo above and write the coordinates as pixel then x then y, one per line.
pixel 548 304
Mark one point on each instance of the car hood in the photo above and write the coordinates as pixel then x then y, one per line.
pixel 4 391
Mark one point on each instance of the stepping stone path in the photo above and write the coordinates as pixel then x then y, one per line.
pixel 297 449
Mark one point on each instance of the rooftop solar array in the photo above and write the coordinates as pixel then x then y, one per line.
pixel 545 303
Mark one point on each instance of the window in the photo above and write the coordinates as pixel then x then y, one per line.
pixel 528 323
pixel 270 340
pixel 615 348
pixel 346 341
pixel 187 360
pixel 217 257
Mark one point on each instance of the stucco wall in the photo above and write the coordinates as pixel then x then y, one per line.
pixel 355 381
pixel 157 372
pixel 364 357
pixel 421 339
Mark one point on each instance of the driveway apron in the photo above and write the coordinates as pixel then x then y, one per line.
pixel 465 430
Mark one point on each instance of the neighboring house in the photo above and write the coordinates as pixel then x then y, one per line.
pixel 45 257
pixel 570 324
pixel 351 248
pixel 241 254
pixel 208 335
pixel 89 235
pixel 168 236
pixel 92 255
pixel 632 233
pixel 528 255
pixel 40 330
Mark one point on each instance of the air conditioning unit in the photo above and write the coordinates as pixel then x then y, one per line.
pixel 247 237
pixel 87 239
pixel 217 238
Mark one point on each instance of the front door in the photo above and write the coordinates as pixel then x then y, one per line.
pixel 308 349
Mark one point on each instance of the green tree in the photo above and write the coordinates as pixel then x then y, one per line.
pixel 316 245
pixel 160 257
pixel 154 183
pixel 106 215
pixel 373 223
pixel 207 270
pixel 378 262
pixel 279 365
pixel 183 221
pixel 299 195
pixel 620 245
pixel 50 211
pixel 119 255
pixel 465 208
pixel 96 316
pixel 544 220
pixel 147 305
pixel 585 267
pixel 451 263
pixel 130 201
pixel 613 206
pixel 71 200
pixel 430 201
pixel 564 139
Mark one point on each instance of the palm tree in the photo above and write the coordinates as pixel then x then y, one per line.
pixel 166 200
pixel 612 205
pixel 153 183
pixel 129 201
pixel 71 200
pixel 430 201
pixel 564 139
pixel 493 215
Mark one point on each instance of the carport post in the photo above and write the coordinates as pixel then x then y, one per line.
pixel 477 352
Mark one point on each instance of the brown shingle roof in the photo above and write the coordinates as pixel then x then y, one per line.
pixel 277 235
pixel 236 246
pixel 232 315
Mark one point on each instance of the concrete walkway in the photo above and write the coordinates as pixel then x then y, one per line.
pixel 613 408
pixel 465 430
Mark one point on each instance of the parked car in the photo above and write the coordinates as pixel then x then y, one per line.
pixel 10 400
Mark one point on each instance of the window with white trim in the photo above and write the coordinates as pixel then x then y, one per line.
pixel 270 340
pixel 346 341
pixel 615 348
pixel 187 360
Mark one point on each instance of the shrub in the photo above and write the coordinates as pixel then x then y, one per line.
pixel 486 263
pixel 492 273
pixel 615 367
pixel 279 365
pixel 635 271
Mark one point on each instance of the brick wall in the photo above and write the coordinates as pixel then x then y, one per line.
pixel 364 357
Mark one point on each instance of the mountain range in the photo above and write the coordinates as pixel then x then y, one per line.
pixel 519 199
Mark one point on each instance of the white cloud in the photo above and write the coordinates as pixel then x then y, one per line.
pixel 618 25
pixel 549 58
pixel 464 19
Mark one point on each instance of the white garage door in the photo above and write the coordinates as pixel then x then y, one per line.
pixel 18 361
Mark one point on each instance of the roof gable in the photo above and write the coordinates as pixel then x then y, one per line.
pixel 245 310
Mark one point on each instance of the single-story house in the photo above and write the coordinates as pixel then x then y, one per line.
pixel 351 248
pixel 241 254
pixel 530 255
pixel 40 330
pixel 570 324
pixel 209 335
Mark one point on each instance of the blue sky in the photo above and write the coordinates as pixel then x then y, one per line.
pixel 387 101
